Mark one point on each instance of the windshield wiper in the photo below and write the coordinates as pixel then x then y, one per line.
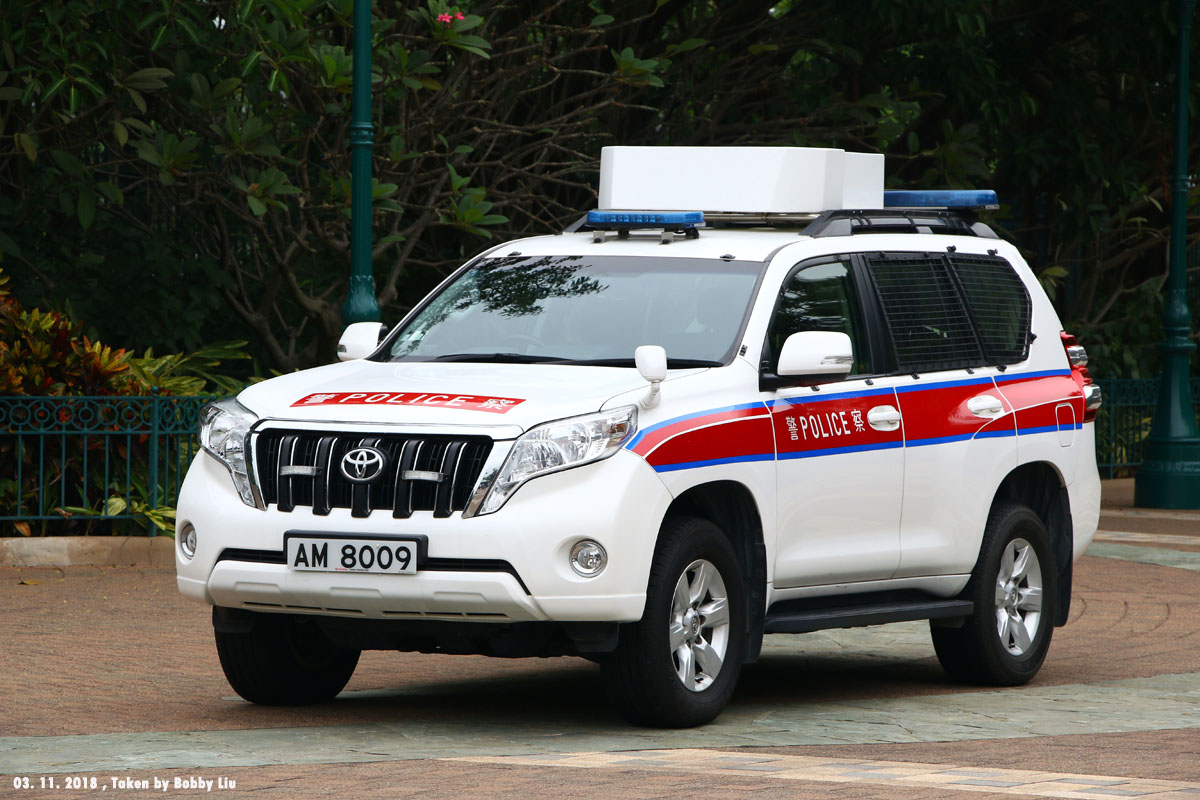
pixel 501 358
pixel 672 363
pixel 524 358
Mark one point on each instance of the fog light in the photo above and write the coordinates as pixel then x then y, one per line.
pixel 187 540
pixel 588 558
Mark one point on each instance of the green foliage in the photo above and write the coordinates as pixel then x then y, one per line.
pixel 191 374
pixel 190 160
pixel 162 517
pixel 636 71
pixel 44 353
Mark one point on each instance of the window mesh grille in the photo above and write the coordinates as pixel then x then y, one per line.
pixel 929 324
pixel 999 303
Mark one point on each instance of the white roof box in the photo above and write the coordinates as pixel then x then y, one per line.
pixel 757 180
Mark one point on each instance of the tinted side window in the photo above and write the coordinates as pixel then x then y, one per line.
pixel 999 303
pixel 821 297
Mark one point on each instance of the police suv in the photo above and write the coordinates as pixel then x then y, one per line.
pixel 761 396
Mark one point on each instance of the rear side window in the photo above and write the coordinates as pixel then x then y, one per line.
pixel 950 311
pixel 998 302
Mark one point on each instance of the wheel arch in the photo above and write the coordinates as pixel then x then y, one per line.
pixel 1039 485
pixel 731 506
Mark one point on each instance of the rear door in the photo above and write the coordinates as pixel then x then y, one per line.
pixel 955 322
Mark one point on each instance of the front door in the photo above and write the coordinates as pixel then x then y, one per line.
pixel 840 445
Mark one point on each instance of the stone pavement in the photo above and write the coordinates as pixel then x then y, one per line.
pixel 109 674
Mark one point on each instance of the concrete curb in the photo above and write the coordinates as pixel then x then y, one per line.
pixel 75 551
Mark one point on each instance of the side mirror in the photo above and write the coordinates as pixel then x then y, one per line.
pixel 359 340
pixel 651 361
pixel 816 354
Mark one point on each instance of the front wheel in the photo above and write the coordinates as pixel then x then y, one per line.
pixel 678 665
pixel 283 661
pixel 1005 640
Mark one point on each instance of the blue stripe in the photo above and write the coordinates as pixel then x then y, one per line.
pixel 857 448
pixel 642 433
pixel 944 385
pixel 714 462
pixel 939 440
pixel 1047 429
pixel 818 397
pixel 1046 373
pixel 860 448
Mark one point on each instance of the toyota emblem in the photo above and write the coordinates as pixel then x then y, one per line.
pixel 363 464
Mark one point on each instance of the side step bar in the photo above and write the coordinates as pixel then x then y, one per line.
pixel 805 620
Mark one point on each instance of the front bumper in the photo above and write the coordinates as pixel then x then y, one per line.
pixel 618 502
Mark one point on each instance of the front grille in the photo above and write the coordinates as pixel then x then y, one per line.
pixel 420 473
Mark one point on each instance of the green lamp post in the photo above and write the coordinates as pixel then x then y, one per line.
pixel 1170 474
pixel 360 305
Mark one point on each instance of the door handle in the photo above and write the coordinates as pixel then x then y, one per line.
pixel 884 418
pixel 985 405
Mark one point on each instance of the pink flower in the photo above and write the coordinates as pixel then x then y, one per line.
pixel 459 15
pixel 444 18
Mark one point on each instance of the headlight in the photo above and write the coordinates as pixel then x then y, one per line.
pixel 560 445
pixel 224 427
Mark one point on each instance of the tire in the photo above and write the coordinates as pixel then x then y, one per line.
pixel 284 661
pixel 1014 589
pixel 678 665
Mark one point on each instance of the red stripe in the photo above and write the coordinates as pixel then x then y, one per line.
pixel 933 413
pixel 824 424
pixel 942 411
pixel 1046 415
pixel 660 435
pixel 999 424
pixel 1036 399
pixel 742 437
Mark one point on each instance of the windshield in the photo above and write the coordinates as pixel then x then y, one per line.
pixel 584 310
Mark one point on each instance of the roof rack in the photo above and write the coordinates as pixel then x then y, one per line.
pixel 896 220
pixel 848 222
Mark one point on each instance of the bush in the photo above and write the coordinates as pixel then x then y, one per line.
pixel 82 460
pixel 44 353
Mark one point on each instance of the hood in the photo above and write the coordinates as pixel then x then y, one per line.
pixel 428 393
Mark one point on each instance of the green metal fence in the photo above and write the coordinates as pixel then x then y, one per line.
pixel 1124 422
pixel 88 458
pixel 125 457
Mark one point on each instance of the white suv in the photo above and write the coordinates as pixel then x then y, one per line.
pixel 660 435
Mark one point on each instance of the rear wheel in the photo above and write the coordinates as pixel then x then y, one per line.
pixel 284 661
pixel 1013 587
pixel 678 665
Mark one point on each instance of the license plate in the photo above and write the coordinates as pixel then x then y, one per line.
pixel 388 556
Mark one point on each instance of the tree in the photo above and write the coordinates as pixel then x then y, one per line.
pixel 191 163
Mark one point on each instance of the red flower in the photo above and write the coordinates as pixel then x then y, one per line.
pixel 459 15
pixel 444 18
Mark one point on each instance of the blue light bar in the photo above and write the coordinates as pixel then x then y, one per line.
pixel 949 198
pixel 645 219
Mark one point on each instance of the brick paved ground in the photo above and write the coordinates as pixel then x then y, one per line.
pixel 119 650
pixel 96 651
pixel 441 780
pixel 1168 756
